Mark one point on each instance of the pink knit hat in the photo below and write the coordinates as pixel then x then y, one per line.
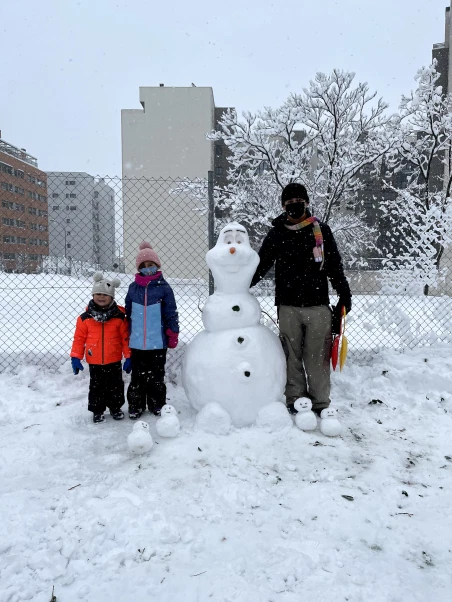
pixel 147 253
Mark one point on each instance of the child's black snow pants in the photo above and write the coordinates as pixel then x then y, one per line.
pixel 147 386
pixel 106 388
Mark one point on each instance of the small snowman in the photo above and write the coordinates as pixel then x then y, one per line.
pixel 329 423
pixel 140 440
pixel 305 419
pixel 168 424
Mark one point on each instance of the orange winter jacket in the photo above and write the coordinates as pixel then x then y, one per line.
pixel 104 342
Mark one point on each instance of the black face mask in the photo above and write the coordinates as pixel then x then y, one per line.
pixel 296 210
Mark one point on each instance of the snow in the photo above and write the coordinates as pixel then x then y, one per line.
pixel 274 417
pixel 213 418
pixel 253 516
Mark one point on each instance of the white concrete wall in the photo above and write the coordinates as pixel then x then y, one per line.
pixel 166 140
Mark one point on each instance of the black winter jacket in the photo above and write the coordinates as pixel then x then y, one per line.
pixel 299 280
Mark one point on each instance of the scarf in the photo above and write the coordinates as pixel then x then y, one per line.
pixel 319 256
pixel 144 280
pixel 103 314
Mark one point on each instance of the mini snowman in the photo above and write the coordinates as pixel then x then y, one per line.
pixel 168 424
pixel 140 440
pixel 329 423
pixel 305 418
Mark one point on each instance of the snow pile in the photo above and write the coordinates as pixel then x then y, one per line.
pixel 250 517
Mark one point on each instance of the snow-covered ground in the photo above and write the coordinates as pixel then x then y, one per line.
pixel 249 517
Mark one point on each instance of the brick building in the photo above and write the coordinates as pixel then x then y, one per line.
pixel 24 236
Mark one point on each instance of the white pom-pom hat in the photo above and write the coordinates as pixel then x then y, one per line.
pixel 102 286
pixel 147 253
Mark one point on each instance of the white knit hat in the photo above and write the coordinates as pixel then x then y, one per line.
pixel 102 286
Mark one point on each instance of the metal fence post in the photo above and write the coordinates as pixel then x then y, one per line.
pixel 211 223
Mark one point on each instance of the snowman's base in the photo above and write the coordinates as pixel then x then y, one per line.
pixel 242 369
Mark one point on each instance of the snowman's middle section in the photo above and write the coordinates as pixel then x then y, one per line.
pixel 224 311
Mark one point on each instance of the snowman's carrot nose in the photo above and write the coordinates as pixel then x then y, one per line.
pixel 232 250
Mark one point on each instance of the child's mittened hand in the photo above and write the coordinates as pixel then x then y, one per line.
pixel 128 365
pixel 76 365
pixel 173 338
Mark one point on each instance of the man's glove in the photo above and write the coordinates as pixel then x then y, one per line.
pixel 173 338
pixel 128 365
pixel 344 301
pixel 76 365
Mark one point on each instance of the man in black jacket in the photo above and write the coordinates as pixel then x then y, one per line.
pixel 306 256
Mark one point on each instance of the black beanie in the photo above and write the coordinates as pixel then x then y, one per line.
pixel 294 191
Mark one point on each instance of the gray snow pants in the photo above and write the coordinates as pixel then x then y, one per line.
pixel 306 338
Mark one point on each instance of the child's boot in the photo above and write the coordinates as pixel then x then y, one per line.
pixel 98 418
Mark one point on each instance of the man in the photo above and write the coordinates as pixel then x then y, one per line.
pixel 306 256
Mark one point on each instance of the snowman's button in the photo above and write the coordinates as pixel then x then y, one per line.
pixel 247 373
pixel 240 340
pixel 235 308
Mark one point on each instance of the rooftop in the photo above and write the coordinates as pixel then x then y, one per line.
pixel 18 153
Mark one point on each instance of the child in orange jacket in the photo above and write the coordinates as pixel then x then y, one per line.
pixel 102 335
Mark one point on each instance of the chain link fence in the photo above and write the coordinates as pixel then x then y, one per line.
pixel 88 224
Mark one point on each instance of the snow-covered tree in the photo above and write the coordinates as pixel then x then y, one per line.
pixel 323 138
pixel 420 213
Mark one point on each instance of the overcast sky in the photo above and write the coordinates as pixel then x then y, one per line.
pixel 69 67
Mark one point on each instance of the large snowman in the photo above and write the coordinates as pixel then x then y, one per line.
pixel 236 361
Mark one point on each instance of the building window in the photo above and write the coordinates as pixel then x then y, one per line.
pixel 68 246
pixel 32 211
pixel 9 256
pixel 33 226
pixel 218 171
pixel 55 195
pixel 6 168
pixel 22 241
pixel 19 190
pixel 42 228
pixel 31 179
pixel 71 196
pixel 68 232
pixel 96 194
pixel 33 257
pixel 70 182
pixel 9 239
pixel 72 208
pixel 19 173
pixel 8 187
pixel 42 213
pixel 43 243
pixel 7 204
pixel 68 221
pixel 33 242
pixel 56 208
pixel 42 198
pixel 218 150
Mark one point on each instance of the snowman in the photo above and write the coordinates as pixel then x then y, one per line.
pixel 329 423
pixel 168 424
pixel 140 440
pixel 305 419
pixel 235 362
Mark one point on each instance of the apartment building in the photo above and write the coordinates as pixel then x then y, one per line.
pixel 81 219
pixel 24 239
pixel 164 143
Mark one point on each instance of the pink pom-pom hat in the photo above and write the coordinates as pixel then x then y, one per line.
pixel 147 253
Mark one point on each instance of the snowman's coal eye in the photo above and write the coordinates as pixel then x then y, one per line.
pixel 239 239
pixel 228 239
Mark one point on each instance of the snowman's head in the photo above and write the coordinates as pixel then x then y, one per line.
pixel 303 404
pixel 168 410
pixel 328 413
pixel 232 260
pixel 141 426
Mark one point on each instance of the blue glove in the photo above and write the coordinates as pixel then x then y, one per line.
pixel 128 365
pixel 76 365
